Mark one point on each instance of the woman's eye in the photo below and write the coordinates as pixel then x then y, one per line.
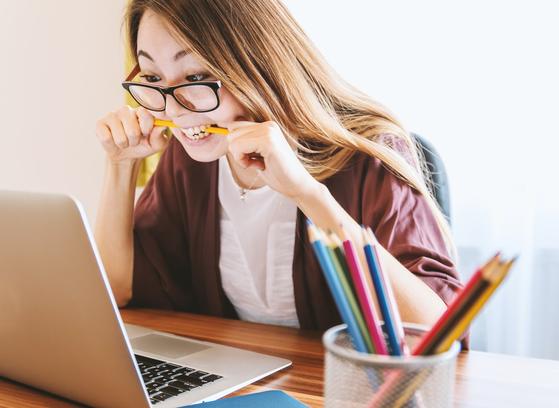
pixel 150 78
pixel 196 77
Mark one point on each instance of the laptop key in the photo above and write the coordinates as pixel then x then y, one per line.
pixel 197 374
pixel 212 377
pixel 173 375
pixel 171 390
pixel 160 381
pixel 165 377
pixel 186 371
pixel 198 378
pixel 188 380
pixel 148 376
pixel 148 361
pixel 161 396
pixel 168 366
pixel 181 385
pixel 183 370
pixel 152 386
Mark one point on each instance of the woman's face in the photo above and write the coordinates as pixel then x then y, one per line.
pixel 164 62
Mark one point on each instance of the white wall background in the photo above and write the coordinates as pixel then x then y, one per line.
pixel 478 78
pixel 61 65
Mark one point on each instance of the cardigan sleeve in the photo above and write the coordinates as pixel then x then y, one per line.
pixel 405 225
pixel 161 273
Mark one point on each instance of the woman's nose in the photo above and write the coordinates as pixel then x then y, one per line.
pixel 172 107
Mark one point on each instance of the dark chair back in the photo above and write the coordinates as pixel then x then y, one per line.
pixel 437 172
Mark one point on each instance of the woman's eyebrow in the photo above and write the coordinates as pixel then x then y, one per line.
pixel 178 55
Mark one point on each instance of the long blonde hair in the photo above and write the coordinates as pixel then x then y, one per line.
pixel 263 57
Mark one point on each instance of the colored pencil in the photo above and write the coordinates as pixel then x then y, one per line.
pixel 349 294
pixel 405 393
pixel 364 295
pixel 481 286
pixel 335 287
pixel 209 129
pixel 372 241
pixel 340 254
pixel 429 342
pixel 375 270
pixel 496 278
pixel 493 272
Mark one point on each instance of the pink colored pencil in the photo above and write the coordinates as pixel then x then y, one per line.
pixel 364 295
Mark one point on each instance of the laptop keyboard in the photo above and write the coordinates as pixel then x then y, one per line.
pixel 164 380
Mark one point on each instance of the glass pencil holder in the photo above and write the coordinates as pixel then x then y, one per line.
pixel 354 379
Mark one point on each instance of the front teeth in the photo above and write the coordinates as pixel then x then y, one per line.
pixel 196 133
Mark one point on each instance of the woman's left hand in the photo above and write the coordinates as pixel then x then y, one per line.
pixel 279 166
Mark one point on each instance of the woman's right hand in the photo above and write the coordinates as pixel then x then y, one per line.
pixel 128 134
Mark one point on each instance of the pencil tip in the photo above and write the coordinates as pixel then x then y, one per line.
pixel 335 239
pixel 343 233
pixel 364 235
pixel 312 232
pixel 372 235
pixel 509 264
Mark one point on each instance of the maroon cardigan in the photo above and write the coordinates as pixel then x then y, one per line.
pixel 177 238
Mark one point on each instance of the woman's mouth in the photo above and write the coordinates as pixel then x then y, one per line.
pixel 196 133
pixel 194 136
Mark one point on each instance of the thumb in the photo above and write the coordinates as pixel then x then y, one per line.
pixel 158 139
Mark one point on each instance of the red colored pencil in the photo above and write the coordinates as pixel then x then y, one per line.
pixel 428 341
pixel 478 284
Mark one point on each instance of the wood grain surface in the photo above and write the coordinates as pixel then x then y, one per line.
pixel 482 379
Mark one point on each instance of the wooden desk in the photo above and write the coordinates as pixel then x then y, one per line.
pixel 483 379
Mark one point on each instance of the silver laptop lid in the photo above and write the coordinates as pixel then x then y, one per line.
pixel 60 329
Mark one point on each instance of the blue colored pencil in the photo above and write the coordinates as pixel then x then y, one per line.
pixel 335 288
pixel 382 297
pixel 397 320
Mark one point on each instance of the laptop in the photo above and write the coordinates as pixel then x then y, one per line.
pixel 61 331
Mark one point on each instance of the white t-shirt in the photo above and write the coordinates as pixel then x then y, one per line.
pixel 256 260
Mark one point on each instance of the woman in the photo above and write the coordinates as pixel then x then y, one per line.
pixel 220 229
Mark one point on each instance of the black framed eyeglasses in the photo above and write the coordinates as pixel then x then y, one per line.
pixel 196 97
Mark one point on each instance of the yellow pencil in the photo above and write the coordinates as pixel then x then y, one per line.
pixel 211 129
pixel 402 397
pixel 496 278
pixel 495 275
pixel 167 123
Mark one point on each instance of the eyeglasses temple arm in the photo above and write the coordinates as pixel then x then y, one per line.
pixel 134 72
